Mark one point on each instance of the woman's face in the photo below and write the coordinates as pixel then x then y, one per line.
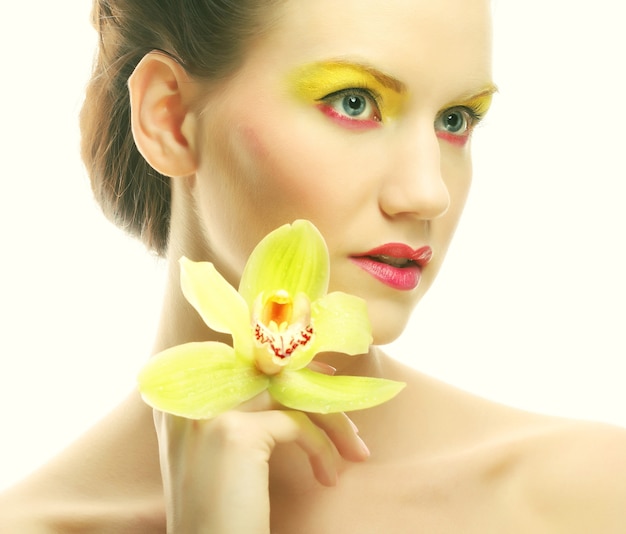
pixel 355 115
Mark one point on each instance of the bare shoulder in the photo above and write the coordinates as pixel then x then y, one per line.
pixel 569 475
pixel 575 472
pixel 107 481
pixel 535 473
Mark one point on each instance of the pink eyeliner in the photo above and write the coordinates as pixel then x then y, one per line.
pixel 347 122
pixel 458 140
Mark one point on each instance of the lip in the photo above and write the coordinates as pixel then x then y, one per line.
pixel 404 278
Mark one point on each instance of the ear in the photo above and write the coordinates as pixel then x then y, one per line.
pixel 162 119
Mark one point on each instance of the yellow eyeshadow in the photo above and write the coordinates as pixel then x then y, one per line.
pixel 312 83
pixel 480 103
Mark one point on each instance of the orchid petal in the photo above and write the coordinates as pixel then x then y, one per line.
pixel 199 380
pixel 217 302
pixel 309 391
pixel 302 357
pixel 292 258
pixel 281 310
pixel 340 323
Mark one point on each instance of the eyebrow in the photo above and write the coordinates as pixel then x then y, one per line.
pixel 486 91
pixel 384 79
pixel 396 85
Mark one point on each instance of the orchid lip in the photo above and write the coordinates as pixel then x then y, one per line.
pixel 399 255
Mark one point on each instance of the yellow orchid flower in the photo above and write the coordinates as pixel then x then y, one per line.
pixel 280 318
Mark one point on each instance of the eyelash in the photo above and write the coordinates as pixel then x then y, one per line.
pixel 472 116
pixel 328 104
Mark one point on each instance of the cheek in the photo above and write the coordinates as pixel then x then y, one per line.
pixel 458 173
pixel 255 178
pixel 278 168
pixel 300 173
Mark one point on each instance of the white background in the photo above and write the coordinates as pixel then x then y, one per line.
pixel 529 310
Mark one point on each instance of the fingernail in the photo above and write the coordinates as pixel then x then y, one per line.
pixel 364 447
pixel 323 368
pixel 354 427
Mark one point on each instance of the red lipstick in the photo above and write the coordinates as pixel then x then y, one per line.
pixel 395 264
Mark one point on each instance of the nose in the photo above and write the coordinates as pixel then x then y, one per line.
pixel 414 183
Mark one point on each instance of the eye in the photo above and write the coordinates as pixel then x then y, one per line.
pixel 456 124
pixel 352 104
pixel 456 121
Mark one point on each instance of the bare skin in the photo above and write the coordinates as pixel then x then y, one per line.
pixel 253 157
pixel 471 465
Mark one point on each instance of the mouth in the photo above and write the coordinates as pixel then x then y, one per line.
pixel 395 264
pixel 391 260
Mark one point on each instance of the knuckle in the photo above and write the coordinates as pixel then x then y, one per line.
pixel 229 427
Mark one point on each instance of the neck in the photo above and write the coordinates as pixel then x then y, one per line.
pixel 179 322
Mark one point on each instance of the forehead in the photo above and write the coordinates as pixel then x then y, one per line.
pixel 421 43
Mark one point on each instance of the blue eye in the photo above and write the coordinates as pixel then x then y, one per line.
pixel 454 121
pixel 457 121
pixel 353 103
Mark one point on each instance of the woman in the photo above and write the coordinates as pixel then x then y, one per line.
pixel 246 118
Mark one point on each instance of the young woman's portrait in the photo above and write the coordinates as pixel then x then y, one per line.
pixel 461 162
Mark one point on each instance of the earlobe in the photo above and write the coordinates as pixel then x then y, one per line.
pixel 162 118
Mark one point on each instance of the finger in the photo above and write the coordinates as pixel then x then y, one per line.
pixel 247 432
pixel 314 442
pixel 344 435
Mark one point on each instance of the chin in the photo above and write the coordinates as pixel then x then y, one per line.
pixel 387 325
pixel 385 337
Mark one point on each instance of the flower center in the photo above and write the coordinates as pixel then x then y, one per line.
pixel 281 326
pixel 278 311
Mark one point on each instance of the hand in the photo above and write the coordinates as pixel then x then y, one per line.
pixel 215 472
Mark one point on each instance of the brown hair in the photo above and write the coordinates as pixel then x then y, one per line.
pixel 207 37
